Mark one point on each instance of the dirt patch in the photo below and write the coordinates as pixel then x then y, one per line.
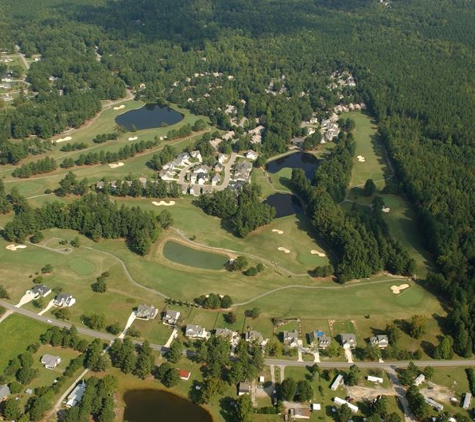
pixel 369 393
pixel 437 392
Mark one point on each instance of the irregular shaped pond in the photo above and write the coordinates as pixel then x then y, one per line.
pixel 150 116
pixel 191 257
pixel 156 405
pixel 299 160
pixel 284 203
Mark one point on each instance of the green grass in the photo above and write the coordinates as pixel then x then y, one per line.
pixel 184 255
pixel 82 266
pixel 17 333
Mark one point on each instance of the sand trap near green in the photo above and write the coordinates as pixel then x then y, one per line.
pixel 82 266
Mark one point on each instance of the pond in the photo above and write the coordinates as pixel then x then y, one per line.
pixel 184 255
pixel 150 116
pixel 284 203
pixel 299 160
pixel 156 405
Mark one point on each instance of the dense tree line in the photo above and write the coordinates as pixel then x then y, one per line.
pixel 45 165
pixel 104 137
pixel 75 146
pixel 94 216
pixel 136 189
pixel 244 210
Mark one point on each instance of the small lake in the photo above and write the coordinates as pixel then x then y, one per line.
pixel 184 255
pixel 284 203
pixel 299 160
pixel 156 405
pixel 150 116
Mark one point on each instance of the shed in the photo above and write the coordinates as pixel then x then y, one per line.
pixel 315 406
pixel 466 400
pixel 377 380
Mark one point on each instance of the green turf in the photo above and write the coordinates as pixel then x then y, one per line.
pixel 17 332
pixel 191 257
pixel 82 266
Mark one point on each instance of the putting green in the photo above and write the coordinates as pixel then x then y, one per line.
pixel 191 257
pixel 82 266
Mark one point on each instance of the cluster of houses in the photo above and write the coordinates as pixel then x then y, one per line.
pixel 62 300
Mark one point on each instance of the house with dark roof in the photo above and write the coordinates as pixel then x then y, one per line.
pixel 380 340
pixel 290 338
pixel 40 290
pixel 253 336
pixel 348 340
pixel 64 300
pixel 170 317
pixel 244 388
pixel 196 332
pixel 146 312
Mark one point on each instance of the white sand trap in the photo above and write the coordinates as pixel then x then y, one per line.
pixel 67 138
pixel 277 231
pixel 285 250
pixel 386 209
pixel 397 289
pixel 14 247
pixel 165 203
pixel 361 159
pixel 320 254
pixel 115 165
pixel 119 107
pixel 133 138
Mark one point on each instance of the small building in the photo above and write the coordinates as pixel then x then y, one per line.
pixel 170 317
pixel 299 413
pixel 251 155
pixel 341 402
pixel 146 312
pixel 376 380
pixel 291 338
pixel 218 167
pixel 348 340
pixel 64 300
pixel 201 170
pixel 196 332
pixel 319 339
pixel 184 375
pixel 467 400
pixel 50 361
pixel 29 391
pixel 76 395
pixel 40 290
pixel 381 341
pixel 337 382
pixel 253 336
pixel 4 392
pixel 222 158
pixel 196 155
pixel 419 380
pixel 215 179
pixel 436 405
pixel 261 378
pixel 244 388
pixel 314 407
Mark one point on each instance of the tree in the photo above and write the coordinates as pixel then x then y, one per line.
pixel 429 372
pixel 37 237
pixel 380 406
pixel 369 188
pixel 343 414
pixel 353 376
pixel 238 264
pixel 211 388
pixel 100 286
pixel 288 389
pixel 417 326
pixel 305 391
pixel 171 378
pixel 165 219
pixel 62 313
pixel 417 402
pixel 230 317
pixel 252 313
pixel 4 293
pixel 244 409
pixel 174 353
pixel 48 268
pixel 444 349
pixel 11 409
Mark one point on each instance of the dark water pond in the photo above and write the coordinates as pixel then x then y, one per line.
pixel 300 160
pixel 155 405
pixel 284 203
pixel 150 116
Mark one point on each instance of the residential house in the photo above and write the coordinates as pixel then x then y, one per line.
pixel 291 338
pixel 261 378
pixel 251 155
pixel 170 317
pixel 64 300
pixel 222 158
pixel 4 392
pixel 380 340
pixel 315 407
pixel 50 361
pixel 196 332
pixel 181 160
pixel 228 135
pixel 76 395
pixel 146 312
pixel 331 134
pixel 243 171
pixel 232 336
pixel 196 155
pixel 194 191
pixel 252 336
pixel 376 380
pixel 201 170
pixel 244 388
pixel 256 134
pixel 348 340
pixel 193 178
pixel 341 402
pixel 319 339
pixel 40 290
pixel 466 400
pixel 184 375
pixel 218 167
pixel 337 382
pixel 167 175
pixel 436 405
pixel 215 179
pixel 419 380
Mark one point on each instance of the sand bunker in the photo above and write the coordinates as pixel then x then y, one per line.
pixel 386 209
pixel 14 247
pixel 68 138
pixel 119 107
pixel 361 159
pixel 277 231
pixel 167 204
pixel 113 166
pixel 133 138
pixel 397 289
pixel 285 250
pixel 315 252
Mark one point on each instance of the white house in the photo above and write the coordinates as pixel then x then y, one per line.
pixel 40 290
pixel 419 379
pixel 170 317
pixel 196 332
pixel 64 300
pixel 50 361
pixel 251 155
pixel 341 402
pixel 337 382
pixel 376 380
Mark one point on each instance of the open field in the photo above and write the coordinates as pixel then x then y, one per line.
pixel 20 332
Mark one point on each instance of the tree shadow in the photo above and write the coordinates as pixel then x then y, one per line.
pixel 428 348
pixel 227 409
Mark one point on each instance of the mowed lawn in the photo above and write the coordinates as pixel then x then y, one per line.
pixel 368 147
pixel 17 333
